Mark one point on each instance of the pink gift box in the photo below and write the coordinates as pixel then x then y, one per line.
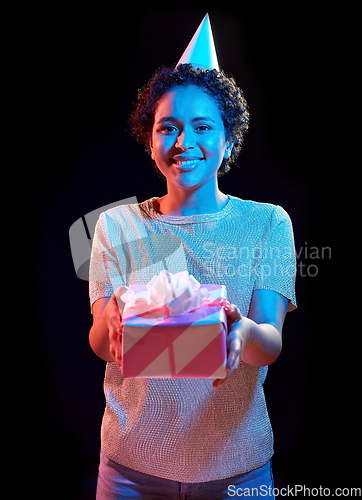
pixel 192 345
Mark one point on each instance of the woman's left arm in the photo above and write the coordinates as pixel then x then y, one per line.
pixel 257 339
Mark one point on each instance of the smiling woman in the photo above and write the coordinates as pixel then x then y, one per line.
pixel 221 89
pixel 163 436
pixel 188 144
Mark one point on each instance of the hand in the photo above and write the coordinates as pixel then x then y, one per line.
pixel 114 324
pixel 235 342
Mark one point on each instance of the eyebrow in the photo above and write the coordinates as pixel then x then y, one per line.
pixel 196 119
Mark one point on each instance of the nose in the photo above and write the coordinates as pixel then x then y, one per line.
pixel 185 140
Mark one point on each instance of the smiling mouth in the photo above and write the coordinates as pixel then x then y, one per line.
pixel 186 164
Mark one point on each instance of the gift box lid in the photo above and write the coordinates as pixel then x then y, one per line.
pixel 205 314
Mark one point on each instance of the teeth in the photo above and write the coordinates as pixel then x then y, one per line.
pixel 181 163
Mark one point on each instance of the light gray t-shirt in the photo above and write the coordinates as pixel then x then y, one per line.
pixel 183 429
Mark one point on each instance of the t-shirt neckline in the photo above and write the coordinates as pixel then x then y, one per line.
pixel 186 219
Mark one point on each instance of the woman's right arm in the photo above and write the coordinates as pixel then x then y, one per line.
pixel 105 334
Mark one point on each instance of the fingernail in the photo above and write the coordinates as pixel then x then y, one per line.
pixel 227 306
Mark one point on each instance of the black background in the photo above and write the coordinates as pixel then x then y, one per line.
pixel 80 71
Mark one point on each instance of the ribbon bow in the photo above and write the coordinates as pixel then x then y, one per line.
pixel 180 293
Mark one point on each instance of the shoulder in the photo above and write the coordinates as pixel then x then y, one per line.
pixel 120 211
pixel 123 213
pixel 261 211
pixel 112 222
pixel 123 221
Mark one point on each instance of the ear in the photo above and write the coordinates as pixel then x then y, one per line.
pixel 228 149
pixel 151 148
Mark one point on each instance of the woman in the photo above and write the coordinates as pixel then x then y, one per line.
pixel 170 438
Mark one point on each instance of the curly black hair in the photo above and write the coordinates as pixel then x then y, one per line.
pixel 230 100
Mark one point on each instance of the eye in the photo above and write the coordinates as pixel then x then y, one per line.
pixel 203 128
pixel 168 129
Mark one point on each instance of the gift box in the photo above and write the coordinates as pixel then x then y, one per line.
pixel 174 327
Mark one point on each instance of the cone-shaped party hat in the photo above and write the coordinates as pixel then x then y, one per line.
pixel 201 50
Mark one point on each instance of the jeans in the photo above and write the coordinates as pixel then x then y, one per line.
pixel 116 482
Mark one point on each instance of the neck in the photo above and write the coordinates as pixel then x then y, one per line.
pixel 180 202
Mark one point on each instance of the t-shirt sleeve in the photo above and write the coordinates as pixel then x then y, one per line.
pixel 105 274
pixel 276 269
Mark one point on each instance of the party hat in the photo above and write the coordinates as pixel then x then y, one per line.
pixel 201 52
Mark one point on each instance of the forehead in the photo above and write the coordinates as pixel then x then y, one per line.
pixel 186 103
